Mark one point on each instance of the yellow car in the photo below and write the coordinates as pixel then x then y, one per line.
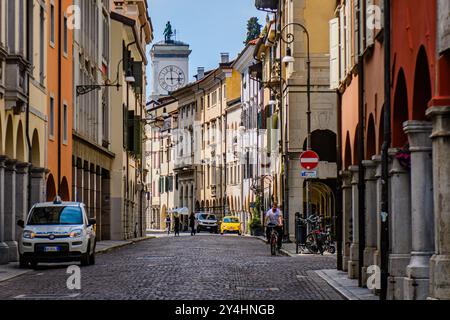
pixel 230 224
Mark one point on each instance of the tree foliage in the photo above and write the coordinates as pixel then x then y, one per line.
pixel 253 29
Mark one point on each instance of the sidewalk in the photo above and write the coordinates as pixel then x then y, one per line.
pixel 12 270
pixel 339 280
pixel 347 287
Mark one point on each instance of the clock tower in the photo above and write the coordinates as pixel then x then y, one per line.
pixel 170 65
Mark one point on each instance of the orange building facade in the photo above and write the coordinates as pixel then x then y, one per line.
pixel 59 100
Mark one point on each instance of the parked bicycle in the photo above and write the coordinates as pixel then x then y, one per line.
pixel 318 241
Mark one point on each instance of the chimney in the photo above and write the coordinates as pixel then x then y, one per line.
pixel 225 57
pixel 200 73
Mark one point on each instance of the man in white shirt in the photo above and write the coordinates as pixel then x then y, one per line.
pixel 274 220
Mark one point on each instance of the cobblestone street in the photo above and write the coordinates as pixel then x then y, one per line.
pixel 201 267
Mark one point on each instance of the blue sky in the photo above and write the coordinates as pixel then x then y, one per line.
pixel 209 26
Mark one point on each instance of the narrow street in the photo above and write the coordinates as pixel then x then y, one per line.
pixel 204 267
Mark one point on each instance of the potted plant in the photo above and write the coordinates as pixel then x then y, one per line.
pixel 256 226
pixel 266 4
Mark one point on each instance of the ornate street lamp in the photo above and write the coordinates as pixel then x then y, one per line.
pixel 85 89
pixel 288 59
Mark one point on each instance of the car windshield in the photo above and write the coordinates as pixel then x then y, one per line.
pixel 231 220
pixel 56 216
pixel 207 217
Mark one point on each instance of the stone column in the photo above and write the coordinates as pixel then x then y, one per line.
pixel 440 262
pixel 378 176
pixel 400 227
pixel 346 217
pixel 92 188
pixel 37 185
pixel 98 201
pixel 21 194
pixel 371 216
pixel 79 186
pixel 353 270
pixel 10 209
pixel 4 249
pixel 86 189
pixel 422 217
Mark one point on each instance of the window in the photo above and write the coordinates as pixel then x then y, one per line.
pixel 52 24
pixel 65 129
pixel 41 46
pixel 11 21
pixel 66 41
pixel 214 98
pixel 51 119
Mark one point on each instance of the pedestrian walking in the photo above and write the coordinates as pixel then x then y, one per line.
pixel 168 224
pixel 192 223
pixel 176 225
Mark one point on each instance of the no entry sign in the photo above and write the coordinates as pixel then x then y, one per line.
pixel 309 160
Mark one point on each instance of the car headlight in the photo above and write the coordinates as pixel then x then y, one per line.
pixel 76 233
pixel 27 234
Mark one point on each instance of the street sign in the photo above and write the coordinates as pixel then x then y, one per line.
pixel 309 160
pixel 309 174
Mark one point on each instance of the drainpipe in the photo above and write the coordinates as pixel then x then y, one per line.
pixel 126 151
pixel 338 210
pixel 385 153
pixel 360 133
pixel 58 190
pixel 204 174
pixel 27 125
pixel 221 112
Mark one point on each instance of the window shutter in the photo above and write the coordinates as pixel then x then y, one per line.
pixel 348 30
pixel 362 26
pixel 138 137
pixel 370 32
pixel 342 43
pixel 137 73
pixel 356 31
pixel 334 53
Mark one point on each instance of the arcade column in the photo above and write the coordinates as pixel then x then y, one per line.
pixel 353 268
pixel 440 262
pixel 4 249
pixel 400 227
pixel 416 284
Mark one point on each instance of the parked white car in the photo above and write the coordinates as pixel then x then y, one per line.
pixel 57 232
pixel 206 222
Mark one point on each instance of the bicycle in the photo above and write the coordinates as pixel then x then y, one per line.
pixel 273 241
pixel 314 240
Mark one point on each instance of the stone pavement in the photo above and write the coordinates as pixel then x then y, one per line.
pixel 204 267
pixel 12 270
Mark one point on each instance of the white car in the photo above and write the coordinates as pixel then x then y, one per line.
pixel 206 222
pixel 57 232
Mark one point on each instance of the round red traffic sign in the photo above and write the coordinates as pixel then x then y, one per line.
pixel 309 160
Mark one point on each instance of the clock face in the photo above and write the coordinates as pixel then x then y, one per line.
pixel 171 78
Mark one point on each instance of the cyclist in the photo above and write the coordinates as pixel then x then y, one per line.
pixel 274 219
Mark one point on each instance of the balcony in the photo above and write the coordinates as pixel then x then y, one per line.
pixel 16 78
pixel 266 4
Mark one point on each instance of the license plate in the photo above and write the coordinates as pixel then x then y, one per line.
pixel 51 249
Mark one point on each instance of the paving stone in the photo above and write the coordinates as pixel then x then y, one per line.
pixel 199 268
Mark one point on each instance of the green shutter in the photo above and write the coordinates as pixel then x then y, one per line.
pixel 137 73
pixel 125 127
pixel 130 133
pixel 137 137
